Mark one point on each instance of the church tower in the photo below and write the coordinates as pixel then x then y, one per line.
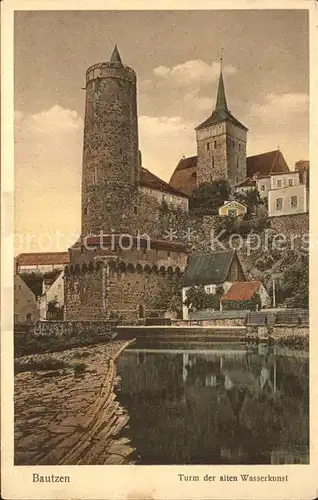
pixel 110 173
pixel 221 144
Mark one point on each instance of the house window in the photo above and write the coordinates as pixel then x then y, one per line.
pixel 215 145
pixel 293 202
pixel 168 254
pixel 279 183
pixel 279 203
pixel 262 187
pixel 290 182
pixel 236 180
pixel 232 212
pixel 207 146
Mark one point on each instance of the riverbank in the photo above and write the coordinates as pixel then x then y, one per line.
pixel 65 407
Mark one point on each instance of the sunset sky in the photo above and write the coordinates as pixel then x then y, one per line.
pixel 176 57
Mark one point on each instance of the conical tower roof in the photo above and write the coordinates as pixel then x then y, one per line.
pixel 115 57
pixel 221 99
pixel 221 112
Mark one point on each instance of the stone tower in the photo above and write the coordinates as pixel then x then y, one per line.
pixel 221 144
pixel 110 175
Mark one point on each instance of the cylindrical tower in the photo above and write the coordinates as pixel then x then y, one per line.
pixel 110 175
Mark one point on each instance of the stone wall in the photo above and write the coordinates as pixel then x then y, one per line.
pixel 124 292
pixel 70 328
pixel 289 225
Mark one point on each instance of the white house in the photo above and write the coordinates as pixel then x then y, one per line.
pixel 53 291
pixel 152 185
pixel 288 200
pixel 211 271
pixel 245 290
pixel 25 305
pixel 42 262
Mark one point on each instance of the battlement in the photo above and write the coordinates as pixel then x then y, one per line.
pixel 110 70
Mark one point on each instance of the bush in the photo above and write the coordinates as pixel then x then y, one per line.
pixel 250 305
pixel 79 369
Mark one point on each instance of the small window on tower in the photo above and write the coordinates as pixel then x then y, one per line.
pixel 85 211
pixel 95 175
pixel 135 209
pixel 120 150
pixel 237 163
pixel 212 161
pixel 239 147
pixel 207 146
pixel 215 144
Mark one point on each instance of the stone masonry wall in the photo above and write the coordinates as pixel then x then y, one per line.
pixel 289 225
pixel 110 154
pixel 126 293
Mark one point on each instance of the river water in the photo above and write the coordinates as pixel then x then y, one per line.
pixel 215 404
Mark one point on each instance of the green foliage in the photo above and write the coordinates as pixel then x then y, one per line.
pixel 294 287
pixel 251 305
pixel 208 197
pixel 251 199
pixel 198 299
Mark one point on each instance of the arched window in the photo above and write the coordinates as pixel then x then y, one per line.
pixel 29 318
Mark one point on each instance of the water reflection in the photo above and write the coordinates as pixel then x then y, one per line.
pixel 224 405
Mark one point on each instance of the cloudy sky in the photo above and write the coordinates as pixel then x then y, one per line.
pixel 176 57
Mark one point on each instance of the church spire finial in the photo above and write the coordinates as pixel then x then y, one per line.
pixel 221 99
pixel 115 57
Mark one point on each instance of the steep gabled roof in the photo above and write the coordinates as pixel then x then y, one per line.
pixel 266 163
pixel 242 290
pixel 189 162
pixel 148 179
pixel 210 268
pixel 185 175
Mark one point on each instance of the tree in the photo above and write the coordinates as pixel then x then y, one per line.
pixel 208 197
pixel 251 199
pixel 295 283
pixel 198 299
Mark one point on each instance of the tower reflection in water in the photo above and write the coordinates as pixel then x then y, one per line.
pixel 217 406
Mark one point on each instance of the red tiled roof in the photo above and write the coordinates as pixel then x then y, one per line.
pixel 266 163
pixel 150 180
pixel 246 183
pixel 241 290
pixel 42 259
